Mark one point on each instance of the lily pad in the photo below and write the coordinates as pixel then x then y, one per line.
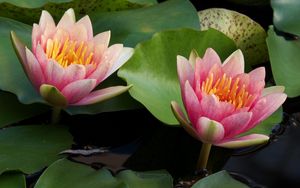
pixel 219 179
pixel 12 180
pixel 31 10
pixel 285 62
pixel 32 147
pixel 147 2
pixel 248 35
pixel 153 72
pixel 12 111
pixel 127 29
pixel 64 173
pixel 32 4
pixel 286 15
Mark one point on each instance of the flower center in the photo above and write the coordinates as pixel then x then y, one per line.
pixel 69 52
pixel 227 90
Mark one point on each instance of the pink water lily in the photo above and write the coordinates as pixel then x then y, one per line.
pixel 222 101
pixel 67 62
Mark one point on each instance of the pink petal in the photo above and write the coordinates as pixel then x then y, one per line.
pixel 48 33
pixel 73 73
pixel 265 107
pixel 185 71
pixel 90 69
pixel 102 38
pixel 176 109
pixel 197 76
pixel 46 19
pixel 234 64
pixel 81 33
pixel 101 42
pixel 191 103
pixel 41 57
pixel 245 141
pixel 102 95
pixel 79 89
pixel 34 69
pixel 257 77
pixel 67 21
pixel 235 124
pixel 99 50
pixel 210 59
pixel 61 35
pixel 35 36
pixel 86 21
pixel 210 62
pixel 209 131
pixel 54 73
pixel 244 80
pixel 258 74
pixel 273 89
pixel 110 56
pixel 215 109
pixel 123 58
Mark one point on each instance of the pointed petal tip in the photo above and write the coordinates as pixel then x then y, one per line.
pixel 15 39
pixel 71 12
pixel 234 64
pixel 193 57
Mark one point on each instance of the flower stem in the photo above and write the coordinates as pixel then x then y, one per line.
pixel 55 115
pixel 203 157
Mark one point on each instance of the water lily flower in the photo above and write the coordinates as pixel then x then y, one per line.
pixel 67 62
pixel 222 101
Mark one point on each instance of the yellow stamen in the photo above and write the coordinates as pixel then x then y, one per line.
pixel 227 89
pixel 69 52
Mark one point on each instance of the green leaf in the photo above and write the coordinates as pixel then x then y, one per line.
pixel 219 179
pixel 147 2
pixel 151 179
pixel 285 62
pixel 248 35
pixel 32 4
pixel 12 180
pixel 12 111
pixel 152 68
pixel 286 15
pixel 265 127
pixel 64 173
pixel 29 11
pixel 125 26
pixel 12 76
pixel 31 148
